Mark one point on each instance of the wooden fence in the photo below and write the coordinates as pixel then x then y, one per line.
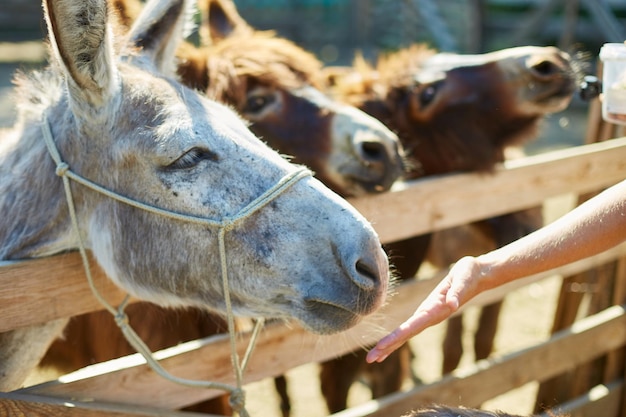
pixel 127 387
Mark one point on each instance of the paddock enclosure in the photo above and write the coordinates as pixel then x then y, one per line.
pixel 579 369
pixel 589 350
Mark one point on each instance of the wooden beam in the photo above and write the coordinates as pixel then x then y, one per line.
pixel 601 400
pixel 57 282
pixel 436 203
pixel 12 404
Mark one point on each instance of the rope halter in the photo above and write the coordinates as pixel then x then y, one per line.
pixel 237 394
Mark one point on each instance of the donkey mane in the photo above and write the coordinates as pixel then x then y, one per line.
pixel 367 81
pixel 223 70
pixel 35 91
pixel 399 68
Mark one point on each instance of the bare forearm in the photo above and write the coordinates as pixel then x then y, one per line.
pixel 591 228
pixel 595 226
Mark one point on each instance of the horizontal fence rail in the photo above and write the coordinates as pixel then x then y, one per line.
pixel 433 204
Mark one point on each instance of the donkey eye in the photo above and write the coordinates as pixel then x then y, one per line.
pixel 427 95
pixel 192 157
pixel 256 103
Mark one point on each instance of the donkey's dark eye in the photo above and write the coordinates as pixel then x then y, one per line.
pixel 192 157
pixel 427 95
pixel 256 103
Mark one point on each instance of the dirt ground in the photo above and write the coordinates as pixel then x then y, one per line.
pixel 526 317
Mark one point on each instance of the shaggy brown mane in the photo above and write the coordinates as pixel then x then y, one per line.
pixel 364 81
pixel 223 70
pixel 355 84
pixel 399 68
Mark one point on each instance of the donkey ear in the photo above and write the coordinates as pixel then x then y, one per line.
pixel 160 28
pixel 221 20
pixel 81 40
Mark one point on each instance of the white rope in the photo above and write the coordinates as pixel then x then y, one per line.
pixel 237 395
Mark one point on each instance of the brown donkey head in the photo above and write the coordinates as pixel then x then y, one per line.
pixel 271 82
pixel 459 112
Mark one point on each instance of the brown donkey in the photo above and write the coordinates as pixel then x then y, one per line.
pixel 452 113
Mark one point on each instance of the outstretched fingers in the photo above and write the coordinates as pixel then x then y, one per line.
pixel 434 309
pixel 462 283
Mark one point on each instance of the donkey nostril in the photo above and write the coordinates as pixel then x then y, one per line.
pixel 373 150
pixel 368 271
pixel 545 68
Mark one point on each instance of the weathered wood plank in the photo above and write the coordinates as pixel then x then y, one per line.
pixel 585 340
pixel 57 282
pixel 441 202
pixel 16 405
pixel 279 349
pixel 602 400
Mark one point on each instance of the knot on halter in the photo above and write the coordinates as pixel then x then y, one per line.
pixel 229 224
pixel 237 402
pixel 62 168
pixel 121 319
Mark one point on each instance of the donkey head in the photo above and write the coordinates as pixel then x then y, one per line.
pixel 458 112
pixel 120 123
pixel 271 82
pixel 462 111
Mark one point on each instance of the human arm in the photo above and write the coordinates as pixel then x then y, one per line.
pixel 591 228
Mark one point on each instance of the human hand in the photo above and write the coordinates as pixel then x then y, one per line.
pixel 460 284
